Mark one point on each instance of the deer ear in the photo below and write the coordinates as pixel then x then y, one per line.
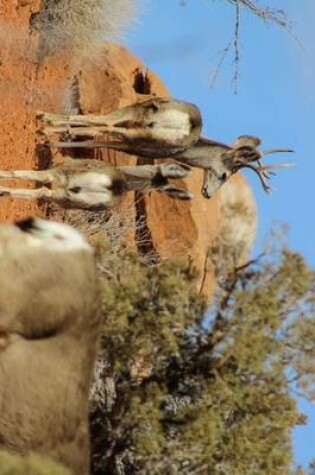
pixel 246 141
pixel 176 193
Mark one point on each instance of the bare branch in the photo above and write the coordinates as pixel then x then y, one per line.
pixel 236 40
pixel 268 15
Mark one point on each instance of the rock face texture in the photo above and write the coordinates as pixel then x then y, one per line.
pixel 25 86
pixel 171 228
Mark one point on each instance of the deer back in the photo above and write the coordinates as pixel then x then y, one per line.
pixel 48 329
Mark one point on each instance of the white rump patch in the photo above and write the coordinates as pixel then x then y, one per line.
pixel 91 181
pixel 174 124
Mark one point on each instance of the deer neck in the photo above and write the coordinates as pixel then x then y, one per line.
pixel 204 154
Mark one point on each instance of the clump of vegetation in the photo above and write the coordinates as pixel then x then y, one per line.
pixel 78 26
pixel 33 464
pixel 183 390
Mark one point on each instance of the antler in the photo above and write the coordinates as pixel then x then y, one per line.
pixel 263 171
pixel 276 150
pixel 262 175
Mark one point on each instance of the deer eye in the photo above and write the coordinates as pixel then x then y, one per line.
pixel 224 176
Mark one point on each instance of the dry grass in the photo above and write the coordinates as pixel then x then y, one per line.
pixel 79 26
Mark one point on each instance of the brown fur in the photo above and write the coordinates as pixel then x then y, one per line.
pixel 156 128
pixel 80 184
pixel 70 187
pixel 48 328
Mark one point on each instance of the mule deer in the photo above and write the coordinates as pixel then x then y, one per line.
pixel 166 125
pixel 168 136
pixel 157 177
pixel 82 184
pixel 48 330
pixel 95 185
pixel 219 161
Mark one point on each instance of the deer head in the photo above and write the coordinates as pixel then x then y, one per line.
pixel 242 154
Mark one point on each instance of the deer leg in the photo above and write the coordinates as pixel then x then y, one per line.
pixel 93 131
pixel 59 120
pixel 78 131
pixel 40 193
pixel 174 170
pixel 137 177
pixel 94 145
pixel 92 125
pixel 153 177
pixel 120 115
pixel 42 176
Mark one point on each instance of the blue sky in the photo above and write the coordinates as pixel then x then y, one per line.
pixel 275 100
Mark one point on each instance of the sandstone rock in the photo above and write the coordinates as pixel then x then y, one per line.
pixel 25 87
pixel 168 228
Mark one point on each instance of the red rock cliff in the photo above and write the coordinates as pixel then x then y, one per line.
pixel 173 228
